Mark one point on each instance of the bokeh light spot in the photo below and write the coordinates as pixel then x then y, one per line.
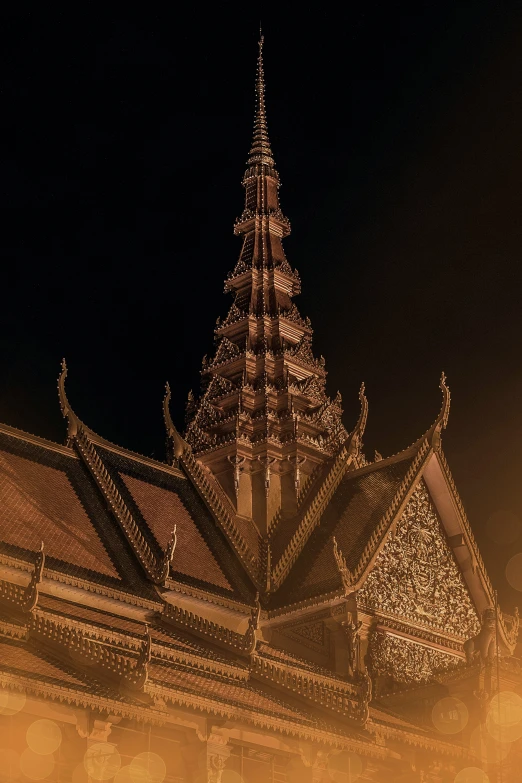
pixel 486 749
pixel 229 776
pixel 471 775
pixel 148 768
pixel 514 572
pixel 79 775
pixel 36 766
pixel 506 708
pixel 9 764
pixel 11 702
pixel 450 715
pixel 345 767
pixel 503 527
pixel 503 733
pixel 44 737
pixel 102 761
pixel 124 775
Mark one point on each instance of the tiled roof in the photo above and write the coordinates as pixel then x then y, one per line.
pixel 158 500
pixel 286 658
pixel 223 690
pixel 47 496
pixel 125 625
pixel 161 508
pixel 17 658
pixel 355 510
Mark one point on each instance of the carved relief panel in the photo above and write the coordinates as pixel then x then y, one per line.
pixel 407 661
pixel 416 577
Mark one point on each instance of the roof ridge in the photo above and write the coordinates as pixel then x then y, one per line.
pixel 37 440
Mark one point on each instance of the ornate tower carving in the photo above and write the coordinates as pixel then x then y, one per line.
pixel 263 421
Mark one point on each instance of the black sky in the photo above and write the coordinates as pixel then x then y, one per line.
pixel 397 131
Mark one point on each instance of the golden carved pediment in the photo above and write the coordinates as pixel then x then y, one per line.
pixel 416 577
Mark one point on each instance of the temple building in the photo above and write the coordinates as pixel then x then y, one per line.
pixel 267 604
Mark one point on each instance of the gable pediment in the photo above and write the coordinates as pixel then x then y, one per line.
pixel 416 577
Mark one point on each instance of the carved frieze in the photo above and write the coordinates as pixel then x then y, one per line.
pixel 416 577
pixel 405 660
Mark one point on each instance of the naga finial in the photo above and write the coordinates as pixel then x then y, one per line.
pixel 441 422
pixel 176 444
pixel 30 598
pixel 344 571
pixel 140 674
pixel 253 625
pixel 73 421
pixel 358 432
pixel 169 553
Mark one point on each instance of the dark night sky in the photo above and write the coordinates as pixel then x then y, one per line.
pixel 397 132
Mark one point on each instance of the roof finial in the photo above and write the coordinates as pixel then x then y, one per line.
pixel 176 444
pixel 73 422
pixel 260 152
pixel 441 422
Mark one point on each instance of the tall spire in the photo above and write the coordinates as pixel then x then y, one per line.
pixel 263 421
pixel 260 152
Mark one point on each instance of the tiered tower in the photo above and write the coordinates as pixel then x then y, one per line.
pixel 263 422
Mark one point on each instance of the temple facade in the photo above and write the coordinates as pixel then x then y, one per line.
pixel 267 605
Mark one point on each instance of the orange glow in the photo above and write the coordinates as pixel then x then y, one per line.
pixel 345 767
pixel 9 764
pixel 124 775
pixel 35 766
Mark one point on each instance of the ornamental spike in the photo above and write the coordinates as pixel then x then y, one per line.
pixel 260 151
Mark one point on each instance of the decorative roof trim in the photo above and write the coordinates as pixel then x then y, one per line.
pixel 506 633
pixel 82 699
pixel 37 441
pixel 156 569
pixel 80 584
pixel 311 516
pixel 343 698
pixel 222 511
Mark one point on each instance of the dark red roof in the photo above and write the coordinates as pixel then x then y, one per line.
pixel 46 496
pixel 161 509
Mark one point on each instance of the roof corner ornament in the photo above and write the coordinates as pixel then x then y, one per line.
pixel 253 627
pixel 358 432
pixel 344 571
pixel 140 673
pixel 30 598
pixel 73 422
pixel 441 422
pixel 176 445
